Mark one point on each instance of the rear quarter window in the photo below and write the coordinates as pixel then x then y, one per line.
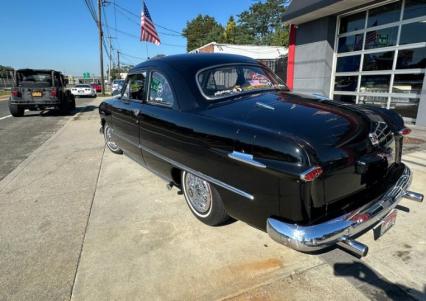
pixel 160 90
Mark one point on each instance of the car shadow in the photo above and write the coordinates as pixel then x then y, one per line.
pixel 382 287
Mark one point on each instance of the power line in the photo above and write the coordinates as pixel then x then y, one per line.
pixel 132 56
pixel 137 37
pixel 137 16
pixel 160 32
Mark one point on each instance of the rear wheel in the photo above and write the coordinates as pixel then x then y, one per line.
pixel 203 200
pixel 16 111
pixel 109 140
pixel 65 106
pixel 72 103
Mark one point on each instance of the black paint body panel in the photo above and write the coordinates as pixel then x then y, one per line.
pixel 300 132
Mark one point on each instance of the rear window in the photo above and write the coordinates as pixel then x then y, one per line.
pixel 230 80
pixel 33 77
pixel 82 86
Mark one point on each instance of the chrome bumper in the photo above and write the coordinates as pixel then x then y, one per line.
pixel 340 230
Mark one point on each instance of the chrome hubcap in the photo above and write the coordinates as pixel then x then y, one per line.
pixel 108 137
pixel 198 193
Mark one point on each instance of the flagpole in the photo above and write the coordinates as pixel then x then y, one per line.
pixel 147 53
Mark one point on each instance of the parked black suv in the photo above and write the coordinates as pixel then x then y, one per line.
pixel 39 90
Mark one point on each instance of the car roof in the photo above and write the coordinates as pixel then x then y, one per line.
pixel 196 61
pixel 37 70
pixel 182 68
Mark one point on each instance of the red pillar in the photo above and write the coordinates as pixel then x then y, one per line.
pixel 291 56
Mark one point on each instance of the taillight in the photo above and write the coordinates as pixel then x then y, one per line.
pixel 405 131
pixel 16 93
pixel 311 174
pixel 53 92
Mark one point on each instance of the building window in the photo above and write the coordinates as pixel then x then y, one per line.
pixel 352 23
pixel 384 14
pixel 350 43
pixel 414 8
pixel 346 83
pixel 408 83
pixel 348 63
pixel 381 38
pixel 378 61
pixel 411 58
pixel 413 33
pixel 381 56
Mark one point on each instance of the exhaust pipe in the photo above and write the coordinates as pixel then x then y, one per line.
pixel 414 196
pixel 353 247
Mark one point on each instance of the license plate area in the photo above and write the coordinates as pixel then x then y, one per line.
pixel 36 94
pixel 384 226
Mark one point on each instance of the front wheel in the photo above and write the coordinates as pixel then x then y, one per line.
pixel 109 140
pixel 16 111
pixel 203 200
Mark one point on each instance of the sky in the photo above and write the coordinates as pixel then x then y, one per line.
pixel 62 35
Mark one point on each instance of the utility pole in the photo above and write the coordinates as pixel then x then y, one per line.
pixel 110 59
pixel 118 60
pixel 101 56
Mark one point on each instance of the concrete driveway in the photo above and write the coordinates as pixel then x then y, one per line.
pixel 78 222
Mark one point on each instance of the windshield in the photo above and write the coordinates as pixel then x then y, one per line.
pixel 225 81
pixel 82 86
pixel 118 82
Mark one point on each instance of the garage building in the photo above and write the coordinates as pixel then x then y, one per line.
pixel 360 51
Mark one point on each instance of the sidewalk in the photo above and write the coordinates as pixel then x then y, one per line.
pixel 44 208
pixel 87 225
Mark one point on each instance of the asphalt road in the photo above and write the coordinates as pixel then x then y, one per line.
pixel 19 137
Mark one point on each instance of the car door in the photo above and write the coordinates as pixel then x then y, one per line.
pixel 158 126
pixel 171 137
pixel 126 115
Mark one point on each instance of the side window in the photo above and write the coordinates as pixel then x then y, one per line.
pixel 135 87
pixel 160 91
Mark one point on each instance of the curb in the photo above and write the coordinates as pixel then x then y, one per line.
pixel 18 169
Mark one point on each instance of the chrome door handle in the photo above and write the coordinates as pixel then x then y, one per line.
pixel 246 158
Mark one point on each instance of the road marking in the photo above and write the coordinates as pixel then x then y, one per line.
pixel 4 117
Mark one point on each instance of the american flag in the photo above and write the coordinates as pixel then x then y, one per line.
pixel 148 31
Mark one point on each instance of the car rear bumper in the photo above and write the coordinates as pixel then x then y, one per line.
pixel 340 230
pixel 83 94
pixel 35 102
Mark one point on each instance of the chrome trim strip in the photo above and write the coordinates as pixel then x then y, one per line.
pixel 190 170
pixel 199 174
pixel 246 158
pixel 331 232
pixel 265 106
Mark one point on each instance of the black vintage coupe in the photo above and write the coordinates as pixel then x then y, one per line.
pixel 224 130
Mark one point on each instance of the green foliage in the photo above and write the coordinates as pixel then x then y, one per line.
pixel 5 71
pixel 202 30
pixel 115 72
pixel 230 33
pixel 261 24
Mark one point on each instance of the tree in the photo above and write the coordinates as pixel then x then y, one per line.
pixel 202 30
pixel 230 33
pixel 262 22
pixel 5 71
pixel 115 72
